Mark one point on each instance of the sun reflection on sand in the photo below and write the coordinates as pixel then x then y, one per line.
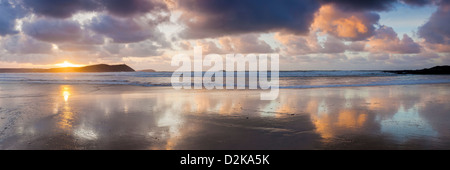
pixel 66 94
pixel 66 117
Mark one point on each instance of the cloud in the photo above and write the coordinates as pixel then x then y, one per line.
pixel 386 40
pixel 322 61
pixel 314 32
pixel 248 43
pixel 310 44
pixel 407 61
pixel 333 45
pixel 436 31
pixel 298 45
pixel 383 40
pixel 88 41
pixel 125 30
pixel 8 15
pixel 53 30
pixel 209 47
pixel 356 46
pixel 32 59
pixel 60 8
pixel 184 45
pixel 132 7
pixel 227 17
pixel 113 48
pixel 68 35
pixel 22 44
pixel 77 47
pixel 417 2
pixel 140 49
pixel 66 8
pixel 358 5
pixel 347 25
pixel 90 38
pixel 244 44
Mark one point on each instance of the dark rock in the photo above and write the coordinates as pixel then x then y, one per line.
pixel 434 70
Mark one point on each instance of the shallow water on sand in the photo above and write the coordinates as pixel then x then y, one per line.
pixel 58 116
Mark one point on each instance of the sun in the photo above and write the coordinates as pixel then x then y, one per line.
pixel 68 64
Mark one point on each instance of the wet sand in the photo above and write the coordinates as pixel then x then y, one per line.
pixel 54 116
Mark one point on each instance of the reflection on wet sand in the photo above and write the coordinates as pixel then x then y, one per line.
pixel 66 115
pixel 124 117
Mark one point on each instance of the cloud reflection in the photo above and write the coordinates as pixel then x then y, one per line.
pixel 145 118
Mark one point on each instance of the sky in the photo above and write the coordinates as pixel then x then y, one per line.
pixel 146 34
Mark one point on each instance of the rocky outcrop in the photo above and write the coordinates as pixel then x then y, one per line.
pixel 434 70
pixel 91 68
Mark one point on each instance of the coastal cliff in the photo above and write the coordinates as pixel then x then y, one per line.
pixel 433 70
pixel 91 68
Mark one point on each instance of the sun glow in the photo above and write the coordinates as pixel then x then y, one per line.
pixel 68 64
pixel 66 93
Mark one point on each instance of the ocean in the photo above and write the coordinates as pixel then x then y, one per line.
pixel 287 79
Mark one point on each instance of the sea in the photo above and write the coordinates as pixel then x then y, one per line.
pixel 287 79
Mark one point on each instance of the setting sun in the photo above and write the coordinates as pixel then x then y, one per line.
pixel 68 64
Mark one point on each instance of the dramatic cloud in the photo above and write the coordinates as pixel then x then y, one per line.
pixel 225 17
pixel 436 31
pixel 132 7
pixel 316 33
pixel 298 45
pixel 53 30
pixel 386 40
pixel 356 46
pixel 248 43
pixel 333 45
pixel 21 44
pixel 8 16
pixel 66 8
pixel 113 48
pixel 408 60
pixel 345 24
pixel 301 45
pixel 358 5
pixel 417 2
pixel 60 8
pixel 140 49
pixel 208 47
pixel 68 35
pixel 124 30
pixel 77 47
pixel 324 61
pixel 90 38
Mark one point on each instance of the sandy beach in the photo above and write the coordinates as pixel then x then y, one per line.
pixel 57 116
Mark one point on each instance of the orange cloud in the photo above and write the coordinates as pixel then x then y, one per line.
pixel 344 24
pixel 350 27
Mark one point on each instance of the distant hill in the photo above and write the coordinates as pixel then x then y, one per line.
pixel 91 68
pixel 433 70
pixel 147 70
